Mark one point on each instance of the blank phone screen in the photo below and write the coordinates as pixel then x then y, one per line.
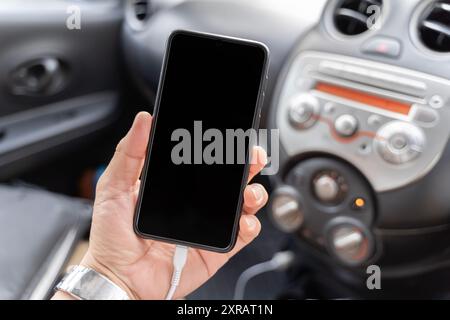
pixel 208 83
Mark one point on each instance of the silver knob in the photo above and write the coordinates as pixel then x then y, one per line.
pixel 303 111
pixel 286 212
pixel 326 188
pixel 350 244
pixel 346 125
pixel 400 142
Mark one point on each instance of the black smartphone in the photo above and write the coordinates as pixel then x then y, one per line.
pixel 210 87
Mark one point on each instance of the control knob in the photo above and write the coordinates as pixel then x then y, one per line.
pixel 400 142
pixel 286 210
pixel 303 111
pixel 350 244
pixel 329 187
pixel 346 125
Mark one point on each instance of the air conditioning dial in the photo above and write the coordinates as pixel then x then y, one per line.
pixel 303 111
pixel 330 187
pixel 350 243
pixel 400 142
pixel 286 210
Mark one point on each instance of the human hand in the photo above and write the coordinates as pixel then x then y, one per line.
pixel 143 268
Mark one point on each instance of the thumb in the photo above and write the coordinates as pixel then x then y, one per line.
pixel 126 165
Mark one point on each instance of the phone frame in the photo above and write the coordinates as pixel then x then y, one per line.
pixel 255 125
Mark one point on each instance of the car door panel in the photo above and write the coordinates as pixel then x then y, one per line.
pixel 56 83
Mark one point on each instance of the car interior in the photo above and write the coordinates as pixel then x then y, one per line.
pixel 359 91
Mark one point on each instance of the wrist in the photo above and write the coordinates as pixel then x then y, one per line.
pixel 60 295
pixel 91 262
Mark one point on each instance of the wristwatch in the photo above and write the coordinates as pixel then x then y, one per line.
pixel 84 283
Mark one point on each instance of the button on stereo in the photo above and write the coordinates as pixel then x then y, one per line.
pixel 400 142
pixel 374 120
pixel 437 101
pixel 346 125
pixel 425 115
pixel 303 111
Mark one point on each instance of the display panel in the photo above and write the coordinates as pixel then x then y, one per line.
pixel 362 97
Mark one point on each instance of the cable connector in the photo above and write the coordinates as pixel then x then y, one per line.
pixel 282 260
pixel 279 262
pixel 179 260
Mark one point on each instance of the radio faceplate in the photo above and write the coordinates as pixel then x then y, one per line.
pixel 391 123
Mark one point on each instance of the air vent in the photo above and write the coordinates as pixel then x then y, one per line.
pixel 353 17
pixel 141 9
pixel 434 26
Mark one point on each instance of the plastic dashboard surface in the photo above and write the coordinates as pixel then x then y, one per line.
pixel 398 208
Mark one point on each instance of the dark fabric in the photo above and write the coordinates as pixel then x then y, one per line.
pixel 32 221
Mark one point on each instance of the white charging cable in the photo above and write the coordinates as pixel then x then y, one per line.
pixel 279 262
pixel 179 260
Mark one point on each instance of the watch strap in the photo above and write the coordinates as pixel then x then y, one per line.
pixel 84 283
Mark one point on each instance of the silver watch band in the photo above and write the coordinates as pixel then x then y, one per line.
pixel 87 284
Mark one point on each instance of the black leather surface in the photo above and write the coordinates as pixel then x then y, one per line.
pixel 32 223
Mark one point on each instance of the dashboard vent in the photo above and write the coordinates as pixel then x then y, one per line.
pixel 353 17
pixel 434 26
pixel 141 9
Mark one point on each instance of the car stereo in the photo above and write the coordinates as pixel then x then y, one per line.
pixel 378 117
pixel 352 130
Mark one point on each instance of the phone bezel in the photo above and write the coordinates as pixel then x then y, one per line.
pixel 255 125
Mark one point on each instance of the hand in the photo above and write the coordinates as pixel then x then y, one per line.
pixel 143 268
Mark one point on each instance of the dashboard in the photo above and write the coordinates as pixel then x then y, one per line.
pixel 362 111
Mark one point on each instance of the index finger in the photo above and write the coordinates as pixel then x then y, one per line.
pixel 258 161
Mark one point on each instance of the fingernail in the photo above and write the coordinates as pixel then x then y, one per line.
pixel 136 117
pixel 250 222
pixel 258 193
pixel 262 157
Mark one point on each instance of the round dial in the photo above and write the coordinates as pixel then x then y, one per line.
pixel 346 125
pixel 303 111
pixel 286 211
pixel 400 142
pixel 349 243
pixel 329 187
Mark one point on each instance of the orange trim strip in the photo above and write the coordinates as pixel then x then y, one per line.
pixel 382 103
pixel 344 140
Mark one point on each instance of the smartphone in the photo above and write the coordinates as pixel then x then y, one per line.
pixel 210 86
